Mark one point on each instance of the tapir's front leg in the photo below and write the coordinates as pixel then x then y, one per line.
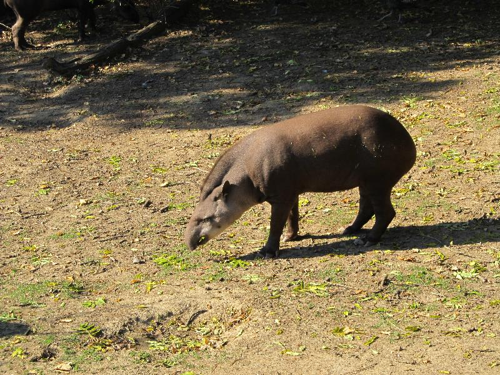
pixel 279 215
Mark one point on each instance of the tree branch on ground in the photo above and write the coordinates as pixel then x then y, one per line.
pixel 171 14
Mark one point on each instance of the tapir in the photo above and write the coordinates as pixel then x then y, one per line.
pixel 27 10
pixel 331 150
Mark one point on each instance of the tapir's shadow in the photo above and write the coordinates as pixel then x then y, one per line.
pixel 8 329
pixel 396 238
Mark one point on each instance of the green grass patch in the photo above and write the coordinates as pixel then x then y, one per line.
pixel 177 260
pixel 11 182
pixel 115 162
pixel 222 141
pixel 252 278
pixel 72 234
pixel 95 303
pixel 11 316
pixel 172 262
pixel 89 329
pixel 418 277
pixel 334 275
pixel 318 289
pixel 30 294
pixel 216 273
pixel 158 170
pixel 238 263
pixel 177 206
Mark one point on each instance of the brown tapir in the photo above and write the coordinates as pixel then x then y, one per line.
pixel 331 150
pixel 27 10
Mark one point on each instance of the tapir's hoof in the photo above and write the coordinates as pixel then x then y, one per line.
pixel 24 46
pixel 257 255
pixel 290 237
pixel 349 230
pixel 359 242
pixel 267 253
pixel 364 242
pixel 260 255
pixel 84 40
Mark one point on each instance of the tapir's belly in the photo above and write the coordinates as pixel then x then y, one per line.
pixel 310 169
pixel 326 174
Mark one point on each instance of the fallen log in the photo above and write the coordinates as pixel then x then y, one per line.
pixel 171 15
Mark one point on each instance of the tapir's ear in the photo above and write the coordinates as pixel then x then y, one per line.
pixel 226 188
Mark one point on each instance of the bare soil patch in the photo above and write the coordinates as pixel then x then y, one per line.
pixel 100 173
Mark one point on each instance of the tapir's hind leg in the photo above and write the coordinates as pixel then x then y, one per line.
pixel 384 213
pixel 365 213
pixel 292 223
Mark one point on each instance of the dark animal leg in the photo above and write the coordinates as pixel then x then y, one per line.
pixel 18 31
pixel 292 223
pixel 126 9
pixel 91 17
pixel 16 34
pixel 279 214
pixel 384 213
pixel 84 17
pixel 365 213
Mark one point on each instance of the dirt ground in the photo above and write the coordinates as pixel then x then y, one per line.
pixel 100 173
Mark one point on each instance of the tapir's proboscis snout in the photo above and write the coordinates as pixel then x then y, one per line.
pixel 219 209
pixel 332 150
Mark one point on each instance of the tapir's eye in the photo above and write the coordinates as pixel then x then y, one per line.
pixel 205 220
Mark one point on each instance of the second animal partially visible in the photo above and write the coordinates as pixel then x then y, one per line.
pixel 27 10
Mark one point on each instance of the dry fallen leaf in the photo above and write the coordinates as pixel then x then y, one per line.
pixel 64 367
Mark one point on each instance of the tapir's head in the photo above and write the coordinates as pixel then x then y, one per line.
pixel 215 212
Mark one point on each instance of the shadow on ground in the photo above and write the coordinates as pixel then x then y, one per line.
pixel 440 235
pixel 235 64
pixel 8 329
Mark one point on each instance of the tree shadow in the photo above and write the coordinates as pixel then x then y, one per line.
pixel 448 234
pixel 8 329
pixel 237 65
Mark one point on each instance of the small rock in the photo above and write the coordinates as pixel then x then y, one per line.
pixel 137 260
pixel 359 242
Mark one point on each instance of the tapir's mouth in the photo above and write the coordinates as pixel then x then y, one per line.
pixel 202 240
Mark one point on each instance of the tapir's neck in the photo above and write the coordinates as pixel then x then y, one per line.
pixel 231 167
pixel 246 192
